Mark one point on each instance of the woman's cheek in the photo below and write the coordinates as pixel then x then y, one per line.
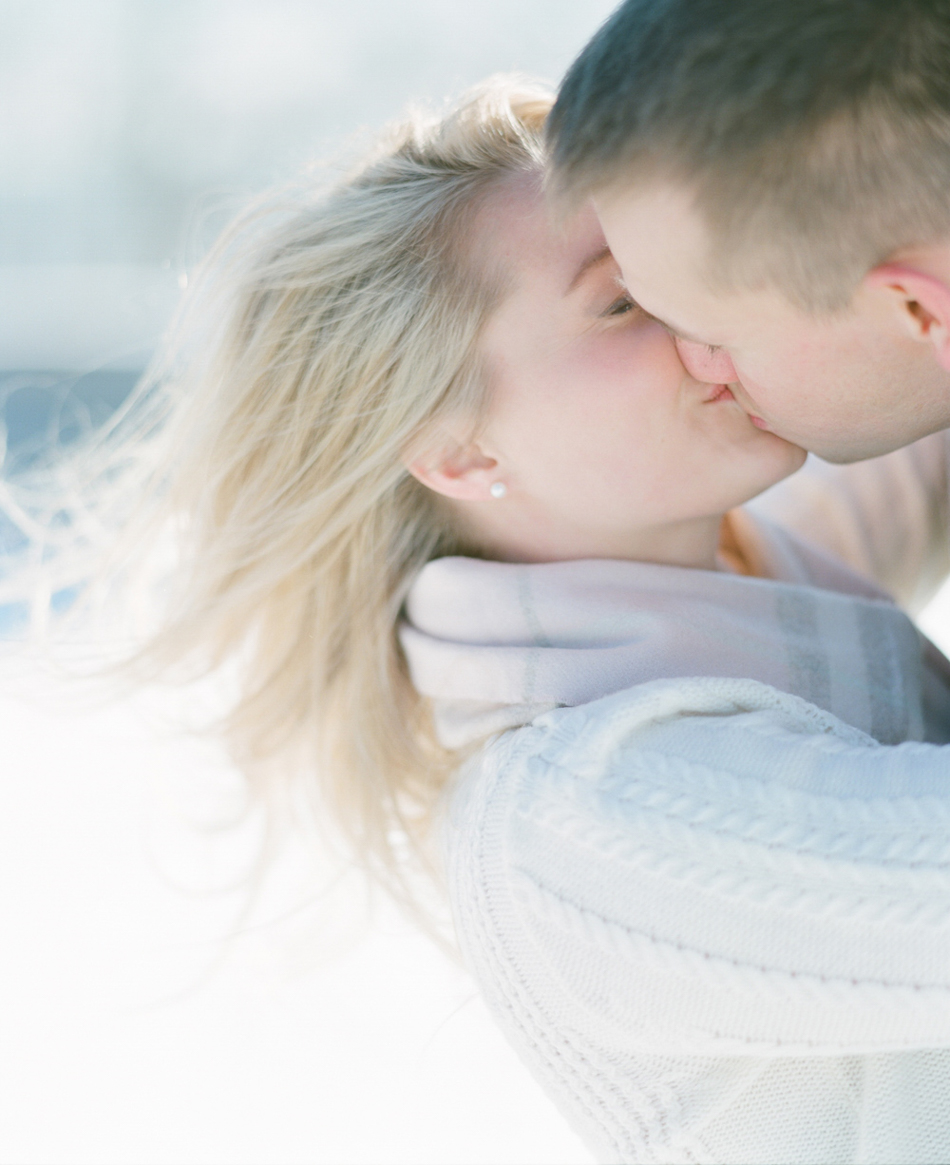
pixel 651 352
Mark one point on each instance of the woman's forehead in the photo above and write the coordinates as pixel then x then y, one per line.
pixel 517 224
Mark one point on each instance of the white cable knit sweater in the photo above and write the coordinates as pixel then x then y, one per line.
pixel 715 923
pixel 712 917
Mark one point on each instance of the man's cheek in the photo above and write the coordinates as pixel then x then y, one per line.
pixel 761 403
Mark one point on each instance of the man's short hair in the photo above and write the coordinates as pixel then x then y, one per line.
pixel 813 134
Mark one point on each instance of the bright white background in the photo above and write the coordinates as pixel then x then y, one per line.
pixel 133 1030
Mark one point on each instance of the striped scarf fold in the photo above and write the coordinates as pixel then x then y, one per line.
pixel 495 644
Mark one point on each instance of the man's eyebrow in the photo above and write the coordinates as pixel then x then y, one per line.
pixel 680 334
pixel 677 332
pixel 674 331
pixel 589 262
pixel 599 257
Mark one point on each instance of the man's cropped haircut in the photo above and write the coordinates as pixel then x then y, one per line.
pixel 813 134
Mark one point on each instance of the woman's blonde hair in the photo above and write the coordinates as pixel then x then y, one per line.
pixel 334 329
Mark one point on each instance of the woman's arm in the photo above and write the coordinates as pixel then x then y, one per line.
pixel 887 518
pixel 708 867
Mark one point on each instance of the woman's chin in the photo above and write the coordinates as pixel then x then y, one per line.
pixel 776 451
pixel 794 457
pixel 785 466
pixel 769 437
pixel 778 461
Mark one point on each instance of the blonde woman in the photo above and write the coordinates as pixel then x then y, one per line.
pixel 472 540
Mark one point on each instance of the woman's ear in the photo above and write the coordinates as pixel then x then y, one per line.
pixel 923 302
pixel 460 471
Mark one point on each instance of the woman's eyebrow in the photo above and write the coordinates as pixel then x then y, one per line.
pixel 591 261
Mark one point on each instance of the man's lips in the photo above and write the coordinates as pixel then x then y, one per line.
pixel 724 392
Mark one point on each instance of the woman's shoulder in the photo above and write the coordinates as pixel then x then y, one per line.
pixel 700 846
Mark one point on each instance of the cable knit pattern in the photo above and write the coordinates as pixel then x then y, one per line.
pixel 665 847
pixel 766 982
pixel 697 928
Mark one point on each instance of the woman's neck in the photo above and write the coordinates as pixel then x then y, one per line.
pixel 706 543
pixel 735 554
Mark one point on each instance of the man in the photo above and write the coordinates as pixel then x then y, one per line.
pixel 773 177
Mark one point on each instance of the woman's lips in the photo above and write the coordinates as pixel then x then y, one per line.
pixel 721 392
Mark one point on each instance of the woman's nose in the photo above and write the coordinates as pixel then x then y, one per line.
pixel 702 362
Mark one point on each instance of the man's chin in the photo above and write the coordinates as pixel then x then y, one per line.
pixel 845 453
pixel 840 449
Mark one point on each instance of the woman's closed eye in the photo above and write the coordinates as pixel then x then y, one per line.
pixel 621 306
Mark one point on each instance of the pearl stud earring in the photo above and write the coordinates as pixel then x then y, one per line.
pixel 498 489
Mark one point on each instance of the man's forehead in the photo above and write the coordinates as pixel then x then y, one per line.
pixel 656 212
pixel 661 244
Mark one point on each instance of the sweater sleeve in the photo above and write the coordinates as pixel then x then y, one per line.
pixel 888 517
pixel 708 867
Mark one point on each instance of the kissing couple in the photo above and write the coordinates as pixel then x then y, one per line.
pixel 490 472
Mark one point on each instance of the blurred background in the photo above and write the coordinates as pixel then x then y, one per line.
pixel 130 1029
pixel 130 130
pixel 151 1012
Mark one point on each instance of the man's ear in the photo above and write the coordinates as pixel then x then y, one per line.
pixel 923 301
pixel 460 471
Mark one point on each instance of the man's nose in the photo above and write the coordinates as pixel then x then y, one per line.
pixel 702 362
